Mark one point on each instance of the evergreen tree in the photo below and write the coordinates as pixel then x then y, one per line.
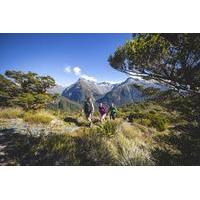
pixel 170 58
pixel 28 90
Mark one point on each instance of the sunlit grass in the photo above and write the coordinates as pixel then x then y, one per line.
pixel 11 113
pixel 42 116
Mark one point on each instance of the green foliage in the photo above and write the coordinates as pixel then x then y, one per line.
pixel 170 58
pixel 8 90
pixel 109 128
pixel 158 122
pixel 38 117
pixel 147 114
pixel 31 82
pixel 27 90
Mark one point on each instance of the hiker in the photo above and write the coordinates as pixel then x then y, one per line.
pixel 89 109
pixel 103 111
pixel 113 111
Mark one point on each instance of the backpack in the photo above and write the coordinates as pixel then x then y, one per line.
pixel 87 107
pixel 113 110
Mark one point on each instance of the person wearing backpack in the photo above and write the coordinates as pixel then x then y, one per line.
pixel 103 111
pixel 113 111
pixel 89 109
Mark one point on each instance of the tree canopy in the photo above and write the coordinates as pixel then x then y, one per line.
pixel 170 58
pixel 28 90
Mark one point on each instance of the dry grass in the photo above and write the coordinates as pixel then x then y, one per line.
pixel 11 113
pixel 128 152
pixel 38 117
pixel 115 143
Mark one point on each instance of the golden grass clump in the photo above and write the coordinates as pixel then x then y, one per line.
pixel 128 152
pixel 11 113
pixel 41 116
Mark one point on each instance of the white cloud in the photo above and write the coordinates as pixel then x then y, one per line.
pixel 90 78
pixel 76 71
pixel 68 69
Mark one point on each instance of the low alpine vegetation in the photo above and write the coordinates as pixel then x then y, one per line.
pixel 42 116
pixel 11 113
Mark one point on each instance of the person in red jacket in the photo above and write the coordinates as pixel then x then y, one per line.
pixel 103 110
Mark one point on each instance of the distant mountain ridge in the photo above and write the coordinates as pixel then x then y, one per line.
pixel 131 90
pixel 123 93
pixel 82 88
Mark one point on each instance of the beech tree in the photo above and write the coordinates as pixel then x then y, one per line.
pixel 170 58
pixel 28 90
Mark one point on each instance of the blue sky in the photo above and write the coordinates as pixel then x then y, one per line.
pixel 65 57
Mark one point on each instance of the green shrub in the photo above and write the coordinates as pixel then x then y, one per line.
pixel 146 122
pixel 158 122
pixel 152 112
pixel 151 119
pixel 133 116
pixel 11 113
pixel 43 117
pixel 109 128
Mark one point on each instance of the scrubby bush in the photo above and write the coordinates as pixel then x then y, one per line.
pixel 42 116
pixel 109 128
pixel 158 122
pixel 150 118
pixel 146 122
pixel 11 113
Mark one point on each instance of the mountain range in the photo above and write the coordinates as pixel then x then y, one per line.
pixel 83 88
pixel 131 90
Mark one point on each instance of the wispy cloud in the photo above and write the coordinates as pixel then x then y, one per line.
pixel 67 69
pixel 77 71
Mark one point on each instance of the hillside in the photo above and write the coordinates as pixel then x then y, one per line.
pixel 159 131
pixel 63 104
pixel 126 92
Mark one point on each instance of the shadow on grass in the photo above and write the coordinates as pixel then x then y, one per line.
pixel 27 150
pixel 79 123
pixel 186 139
pixel 15 148
pixel 181 148
pixel 76 121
